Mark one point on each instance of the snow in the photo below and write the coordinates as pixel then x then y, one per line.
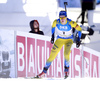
pixel 69 81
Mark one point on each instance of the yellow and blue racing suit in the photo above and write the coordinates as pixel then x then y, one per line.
pixel 64 37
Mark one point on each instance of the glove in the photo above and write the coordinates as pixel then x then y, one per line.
pixel 78 43
pixel 52 40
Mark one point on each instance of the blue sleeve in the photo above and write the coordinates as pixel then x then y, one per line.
pixel 79 35
pixel 53 30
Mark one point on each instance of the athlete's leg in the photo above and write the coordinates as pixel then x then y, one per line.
pixel 67 47
pixel 55 50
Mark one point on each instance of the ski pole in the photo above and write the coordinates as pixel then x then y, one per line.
pixel 65 3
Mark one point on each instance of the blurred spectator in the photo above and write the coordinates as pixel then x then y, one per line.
pixel 34 25
pixel 86 5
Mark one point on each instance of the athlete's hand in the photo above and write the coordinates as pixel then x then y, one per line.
pixel 78 43
pixel 52 40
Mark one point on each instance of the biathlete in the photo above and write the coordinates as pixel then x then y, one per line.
pixel 64 31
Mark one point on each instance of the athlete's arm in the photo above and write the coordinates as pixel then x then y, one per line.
pixel 53 31
pixel 77 27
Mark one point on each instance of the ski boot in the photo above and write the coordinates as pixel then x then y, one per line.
pixel 66 75
pixel 40 75
pixel 66 72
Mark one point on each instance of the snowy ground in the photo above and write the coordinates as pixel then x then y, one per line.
pixel 69 81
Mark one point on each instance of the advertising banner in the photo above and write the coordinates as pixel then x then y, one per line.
pixel 33 50
pixel 7 56
pixel 85 63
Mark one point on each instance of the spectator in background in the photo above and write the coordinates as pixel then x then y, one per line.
pixel 85 6
pixel 34 25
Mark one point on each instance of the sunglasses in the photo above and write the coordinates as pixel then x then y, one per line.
pixel 62 17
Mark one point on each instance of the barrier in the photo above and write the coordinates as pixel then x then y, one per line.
pixel 7 56
pixel 33 51
pixel 24 55
pixel 85 63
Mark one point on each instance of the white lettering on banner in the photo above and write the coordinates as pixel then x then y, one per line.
pixel 86 67
pixel 77 67
pixel 31 59
pixel 77 63
pixel 39 61
pixel 87 64
pixel 59 66
pixel 40 54
pixel 43 57
pixel 32 55
pixel 94 69
pixel 21 62
pixel 94 66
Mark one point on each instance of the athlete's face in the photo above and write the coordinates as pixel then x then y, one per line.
pixel 63 19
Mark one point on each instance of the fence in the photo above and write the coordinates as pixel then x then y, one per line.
pixel 28 54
